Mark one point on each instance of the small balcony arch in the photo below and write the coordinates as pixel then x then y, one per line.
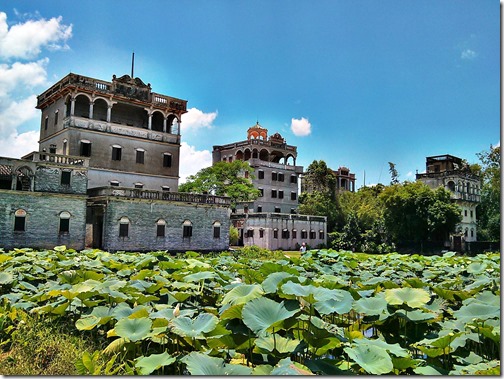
pixel 172 124
pixel 451 185
pixel 82 106
pixel 157 121
pixel 100 109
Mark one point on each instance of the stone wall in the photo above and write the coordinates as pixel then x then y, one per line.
pixel 42 220
pixel 143 216
pixel 48 179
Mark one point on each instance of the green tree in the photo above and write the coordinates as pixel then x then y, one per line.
pixel 489 209
pixel 415 212
pixel 394 175
pixel 232 179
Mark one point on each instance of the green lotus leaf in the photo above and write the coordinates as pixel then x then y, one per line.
pixel 242 294
pixel 287 367
pixel 395 348
pixel 60 248
pixel 412 297
pixel 476 268
pixel 430 371
pixel 277 343
pixel 115 346
pixel 262 313
pixel 340 303
pixel 296 289
pixel 232 312
pixel 485 297
pixel 153 362
pixel 371 306
pixel 373 359
pixel 201 364
pixel 194 328
pixel 262 370
pixel 167 313
pixel 6 278
pixel 87 322
pixel 192 263
pixel 416 315
pixel 477 311
pixel 325 366
pixel 4 258
pixel 271 282
pixel 202 275
pixel 134 329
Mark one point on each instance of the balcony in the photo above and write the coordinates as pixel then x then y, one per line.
pixel 39 156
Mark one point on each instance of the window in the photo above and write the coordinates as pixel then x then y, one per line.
pixel 293 196
pixel 56 117
pixel 114 183
pixel 261 192
pixel 260 174
pixel 293 211
pixel 280 194
pixel 52 149
pixel 245 209
pixel 294 233
pixel 160 228
pixel 280 177
pixel 465 212
pixel 167 160
pixel 140 156
pixel 46 122
pixel 472 232
pixel 85 148
pixel 293 179
pixel 304 234
pixel 139 185
pixel 274 176
pixel 246 174
pixel 275 233
pixel 321 234
pixel 285 234
pixel 273 194
pixel 250 233
pixel 116 152
pixel 313 235
pixel 261 233
pixel 259 208
pixel 165 188
pixel 187 229
pixel 64 223
pixel 20 220
pixel 65 177
pixel 124 226
pixel 65 145
pixel 471 214
pixel 216 229
pixel 278 210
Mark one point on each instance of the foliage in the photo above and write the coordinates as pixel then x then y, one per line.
pixel 394 175
pixel 234 235
pixel 489 208
pixel 327 312
pixel 232 179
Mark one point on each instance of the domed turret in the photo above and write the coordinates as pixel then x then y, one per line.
pixel 257 132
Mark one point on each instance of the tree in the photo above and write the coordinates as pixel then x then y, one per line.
pixel 394 175
pixel 232 179
pixel 489 209
pixel 320 178
pixel 415 212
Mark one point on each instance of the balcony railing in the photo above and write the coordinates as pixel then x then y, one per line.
pixel 41 156
pixel 182 197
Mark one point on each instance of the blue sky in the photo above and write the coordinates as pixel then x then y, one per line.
pixel 354 83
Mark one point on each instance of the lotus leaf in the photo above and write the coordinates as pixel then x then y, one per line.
pixel 477 311
pixel 153 362
pixel 287 367
pixel 271 343
pixel 262 313
pixel 6 278
pixel 476 268
pixel 194 328
pixel 412 297
pixel 134 329
pixel 116 346
pixel 325 366
pixel 202 364
pixel 372 306
pixel 231 312
pixel 87 322
pixel 242 294
pixel 340 304
pixel 271 282
pixel 373 359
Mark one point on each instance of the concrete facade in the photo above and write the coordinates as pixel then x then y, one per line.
pixel 449 172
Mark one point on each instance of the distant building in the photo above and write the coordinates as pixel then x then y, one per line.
pixel 449 172
pixel 345 180
pixel 106 175
pixel 272 221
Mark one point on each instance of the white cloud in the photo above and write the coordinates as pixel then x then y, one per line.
pixel 16 113
pixel 16 145
pixel 468 54
pixel 409 174
pixel 195 119
pixel 25 41
pixel 192 160
pixel 300 127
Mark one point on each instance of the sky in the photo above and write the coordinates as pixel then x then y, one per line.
pixel 353 83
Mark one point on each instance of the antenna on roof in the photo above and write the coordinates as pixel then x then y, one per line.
pixel 132 64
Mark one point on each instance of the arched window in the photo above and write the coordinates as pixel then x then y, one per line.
pixel 65 146
pixel 64 223
pixel 160 228
pixel 124 223
pixel 216 229
pixel 20 220
pixel 187 229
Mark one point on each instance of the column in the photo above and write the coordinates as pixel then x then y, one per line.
pixel 91 107
pixel 164 125
pixel 109 112
pixel 72 106
pixel 149 126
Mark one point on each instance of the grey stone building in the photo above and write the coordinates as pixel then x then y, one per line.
pixel 449 172
pixel 106 175
pixel 272 221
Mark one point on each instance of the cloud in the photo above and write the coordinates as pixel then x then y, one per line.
pixel 300 128
pixel 16 145
pixel 195 119
pixel 26 40
pixel 468 54
pixel 192 160
pixel 409 174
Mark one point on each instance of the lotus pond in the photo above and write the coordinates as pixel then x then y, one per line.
pixel 325 312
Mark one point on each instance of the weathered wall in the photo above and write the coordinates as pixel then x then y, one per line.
pixel 143 216
pixel 42 219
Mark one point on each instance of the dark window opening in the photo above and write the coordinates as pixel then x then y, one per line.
pixel 275 233
pixel 160 231
pixel 259 208
pixel 278 210
pixel 123 230
pixel 293 195
pixel 250 233
pixel 321 234
pixel 273 176
pixel 280 194
pixel 187 231
pixel 280 177
pixel 167 160
pixel 65 177
pixel 116 153
pixel 261 233
pixel 140 156
pixel 261 192
pixel 304 234
pixel 19 223
pixel 260 175
pixel 294 233
pixel 56 118
pixel 285 234
pixel 273 194
pixel 313 235
pixel 85 149
pixel 293 179
pixel 64 225
pixel 216 232
pixel 46 122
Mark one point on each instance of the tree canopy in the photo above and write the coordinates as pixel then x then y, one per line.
pixel 232 179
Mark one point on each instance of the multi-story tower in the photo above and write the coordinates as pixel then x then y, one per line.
pixel 276 173
pixel 345 180
pixel 130 134
pixel 449 172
